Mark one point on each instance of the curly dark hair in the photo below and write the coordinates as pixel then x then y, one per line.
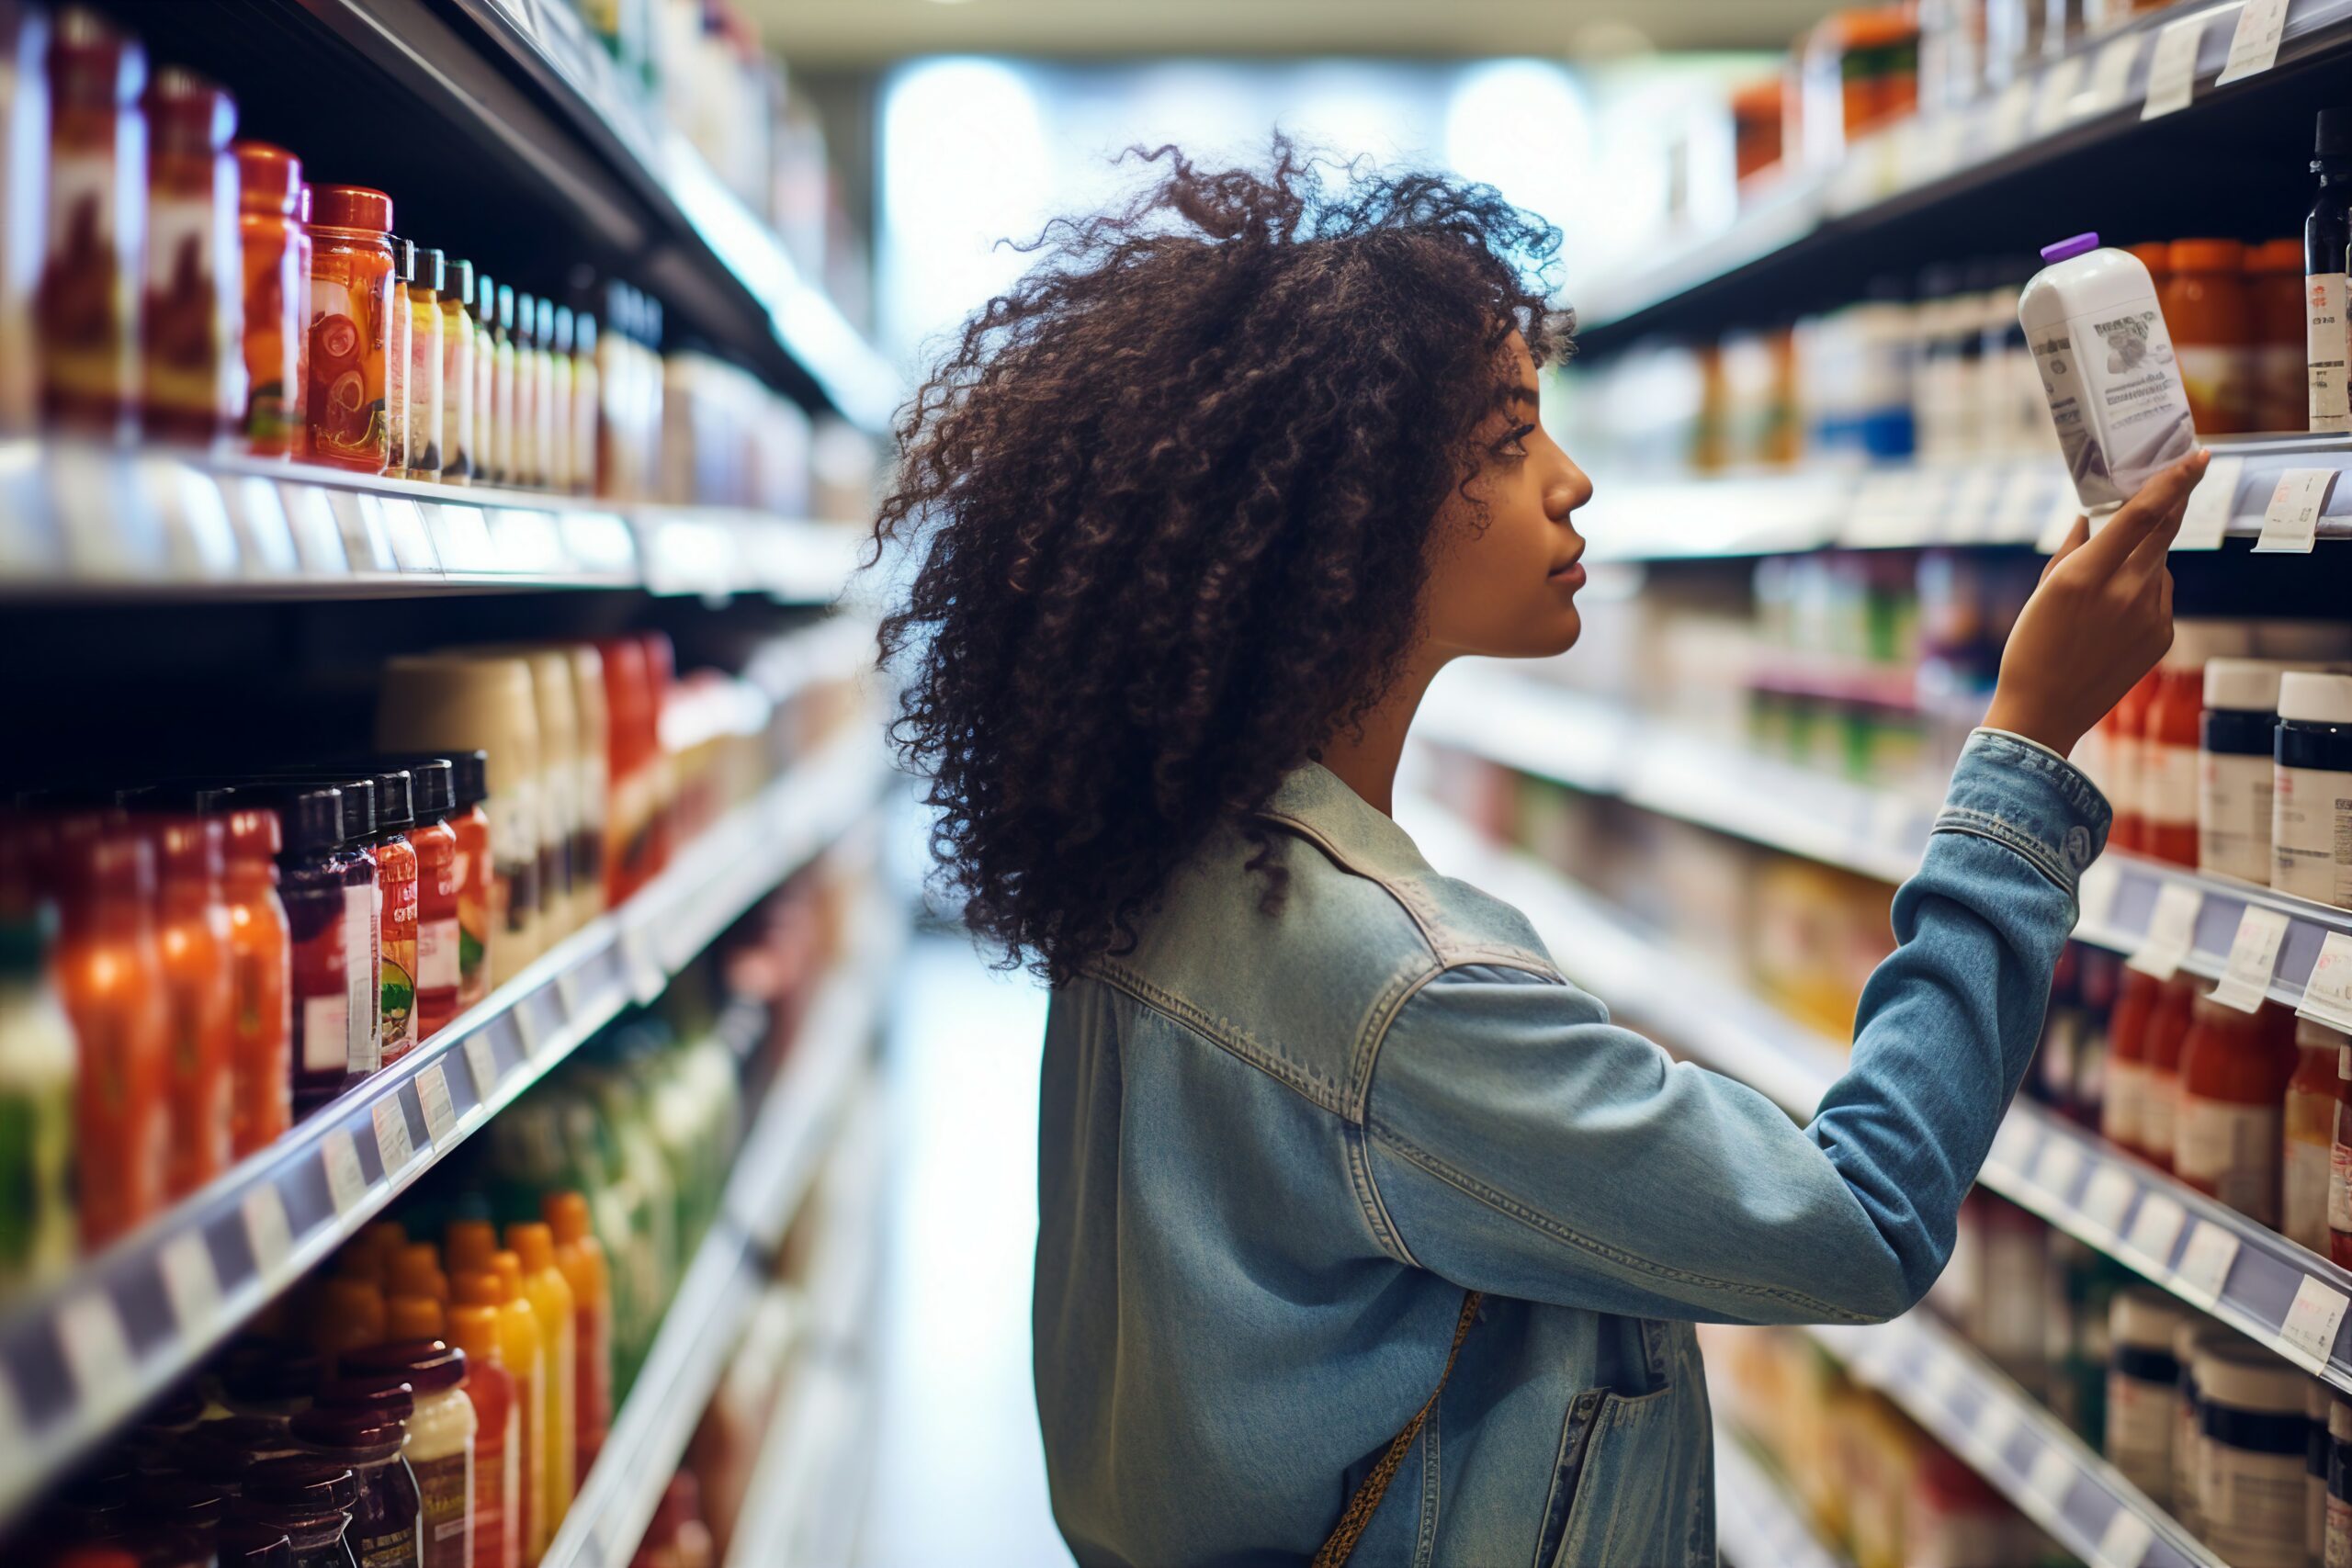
pixel 1173 495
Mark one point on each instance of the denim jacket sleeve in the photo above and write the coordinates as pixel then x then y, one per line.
pixel 1521 1143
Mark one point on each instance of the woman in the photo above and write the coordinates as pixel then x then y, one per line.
pixel 1358 1227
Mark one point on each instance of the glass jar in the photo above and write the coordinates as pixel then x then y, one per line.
pixel 310 1500
pixel 2252 1423
pixel 2314 1095
pixel 276 251
pixel 2234 1070
pixel 441 1434
pixel 386 1512
pixel 351 327
pixel 2142 1379
pixel 87 310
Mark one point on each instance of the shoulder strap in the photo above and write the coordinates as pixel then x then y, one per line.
pixel 1375 1486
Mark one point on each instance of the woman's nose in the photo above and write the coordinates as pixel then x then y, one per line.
pixel 1568 491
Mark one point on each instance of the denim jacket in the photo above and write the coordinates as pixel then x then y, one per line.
pixel 1277 1147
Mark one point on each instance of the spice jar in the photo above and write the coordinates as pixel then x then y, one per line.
pixel 2234 1070
pixel 189 314
pixel 441 1433
pixel 88 312
pixel 2142 1380
pixel 2310 822
pixel 351 327
pixel 2251 1423
pixel 2210 315
pixel 310 1499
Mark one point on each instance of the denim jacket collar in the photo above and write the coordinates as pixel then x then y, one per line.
pixel 1316 802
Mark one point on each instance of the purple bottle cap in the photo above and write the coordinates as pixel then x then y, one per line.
pixel 2067 249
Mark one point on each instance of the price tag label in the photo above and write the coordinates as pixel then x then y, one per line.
pixel 2012 114
pixel 2327 995
pixel 393 1144
pixel 2312 1317
pixel 481 1061
pixel 2060 1162
pixel 2254 47
pixel 2211 506
pixel 2125 1542
pixel 440 1111
pixel 2290 523
pixel 266 1232
pixel 2172 930
pixel 2053 101
pixel 2108 1196
pixel 2111 73
pixel 2058 522
pixel 2205 1266
pixel 345 1184
pixel 2254 953
pixel 2052 1477
pixel 526 1026
pixel 1939 1380
pixel 1995 1426
pixel 90 1332
pixel 2155 1228
pixel 2172 69
pixel 191 1282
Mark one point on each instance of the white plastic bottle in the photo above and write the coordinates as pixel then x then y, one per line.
pixel 2106 360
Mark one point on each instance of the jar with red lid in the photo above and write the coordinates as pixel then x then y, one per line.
pixel 275 252
pixel 88 312
pixel 350 328
pixel 190 309
pixel 369 1439
pixel 2234 1068
pixel 2210 314
pixel 309 1499
pixel 2174 721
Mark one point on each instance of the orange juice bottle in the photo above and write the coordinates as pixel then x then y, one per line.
pixel 582 1258
pixel 550 1297
pixel 526 1354
pixel 475 1327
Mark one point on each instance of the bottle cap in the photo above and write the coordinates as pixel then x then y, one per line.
pixel 387 1395
pixel 415 1270
pixel 432 786
pixel 458 281
pixel 395 801
pixel 470 1245
pixel 190 849
pixel 485 300
pixel 584 333
pixel 2071 246
pixel 270 178
pixel 2334 134
pixel 354 1435
pixel 428 1366
pixel 2311 697
pixel 564 339
pixel 2245 1376
pixel 246 1543
pixel 414 1317
pixel 2208 255
pixel 187 114
pixel 532 1242
pixel 309 816
pixel 2276 256
pixel 546 307
pixel 182 1499
pixel 509 1271
pixel 258 1373
pixel 313 1486
pixel 432 270
pixel 2243 685
pixel 566 1213
pixel 474 1288
pixel 351 207
pixel 505 309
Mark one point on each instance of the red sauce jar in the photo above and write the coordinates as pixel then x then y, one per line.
pixel 2124 1108
pixel 2313 1097
pixel 109 974
pixel 2126 761
pixel 351 327
pixel 2234 1068
pixel 192 938
pixel 2339 1171
pixel 276 249
pixel 2167 1027
pixel 438 943
pixel 192 342
pixel 396 880
pixel 261 962
pixel 87 313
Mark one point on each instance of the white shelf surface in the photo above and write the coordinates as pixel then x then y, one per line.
pixel 2243 1272
pixel 1757 1524
pixel 80 517
pixel 698 1334
pixel 80 1357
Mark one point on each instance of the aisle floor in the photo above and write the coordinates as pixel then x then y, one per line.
pixel 959 1473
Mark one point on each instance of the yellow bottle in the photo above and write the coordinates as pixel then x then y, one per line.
pixel 550 1297
pixel 526 1358
pixel 582 1258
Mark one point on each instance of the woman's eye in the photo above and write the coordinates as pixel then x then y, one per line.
pixel 1515 444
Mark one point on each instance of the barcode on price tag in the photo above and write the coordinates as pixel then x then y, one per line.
pixel 2327 995
pixel 2172 930
pixel 440 1111
pixel 481 1061
pixel 90 1332
pixel 2254 47
pixel 2172 74
pixel 2254 953
pixel 266 1230
pixel 393 1144
pixel 2205 1266
pixel 2125 1542
pixel 2052 1478
pixel 2054 1171
pixel 345 1183
pixel 2110 1194
pixel 2290 523
pixel 2155 1228
pixel 2211 506
pixel 191 1282
pixel 2308 1333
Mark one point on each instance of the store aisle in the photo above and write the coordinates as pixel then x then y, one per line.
pixel 959 1473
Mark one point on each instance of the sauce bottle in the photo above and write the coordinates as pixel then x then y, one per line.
pixel 475 1328
pixel 276 252
pixel 506 436
pixel 526 1352
pixel 560 777
pixel 2234 1068
pixel 581 1255
pixel 2168 757
pixel 396 880
pixel 2211 317
pixel 193 940
pixel 530 463
pixel 533 1245
pixel 348 1314
pixel 24 190
pixel 352 305
pixel 386 1512
pixel 425 390
pixel 414 1269
pixel 397 357
pixel 2127 757
pixel 434 793
pixel 261 971
pixel 457 373
pixel 87 309
pixel 489 455
pixel 313 869
pixel 2274 274
pixel 2167 1029
pixel 543 378
pixel 37 1104
pixel 2313 1096
pixel 442 1434
pixel 471 776
pixel 190 315
pixel 2339 1167
pixel 309 1499
pixel 628 831
pixel 110 975
pixel 2327 256
pixel 356 876
pixel 587 400
pixel 2123 1108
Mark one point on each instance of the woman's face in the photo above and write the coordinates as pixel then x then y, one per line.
pixel 1503 573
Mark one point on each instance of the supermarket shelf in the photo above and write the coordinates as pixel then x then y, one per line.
pixel 698 1334
pixel 1757 1524
pixel 1975 156
pixel 1980 1414
pixel 80 1357
pixel 2243 1273
pixel 1910 505
pixel 78 518
pixel 2119 902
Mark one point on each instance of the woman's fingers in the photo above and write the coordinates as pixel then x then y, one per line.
pixel 2076 538
pixel 2156 512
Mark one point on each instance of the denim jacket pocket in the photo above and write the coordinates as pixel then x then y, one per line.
pixel 1615 1493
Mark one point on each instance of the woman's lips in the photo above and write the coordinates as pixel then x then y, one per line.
pixel 1570 576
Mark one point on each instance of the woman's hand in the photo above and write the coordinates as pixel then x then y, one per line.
pixel 2100 619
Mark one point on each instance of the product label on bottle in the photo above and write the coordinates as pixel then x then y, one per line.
pixel 456 397
pixel 2123 1113
pixel 363 947
pixel 397 997
pixel 424 405
pixel 394 1547
pixel 272 337
pixel 2311 834
pixel 2138 1430
pixel 445 1488
pixel 2168 785
pixel 473 929
pixel 2116 398
pixel 515 849
pixel 2324 350
pixel 436 954
pixel 2159 1105
pixel 2339 1533
pixel 2234 816
pixel 350 335
pixel 2304 1201
pixel 187 327
pixel 2252 1504
pixel 2185 1465
pixel 396 364
pixel 88 298
pixel 2230 1151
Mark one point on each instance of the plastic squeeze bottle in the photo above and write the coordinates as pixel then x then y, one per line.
pixel 581 1255
pixel 475 1328
pixel 551 1299
pixel 2106 364
pixel 526 1352
pixel 110 978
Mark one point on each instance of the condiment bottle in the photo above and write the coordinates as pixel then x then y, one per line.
pixel 563 474
pixel 489 455
pixel 629 825
pixel 2119 409
pixel 2142 1379
pixel 530 463
pixel 2233 767
pixel 2338 1541
pixel 276 251
pixel 559 777
pixel 581 1255
pixel 87 313
pixel 2127 755
pixel 2169 772
pixel 190 319
pixel 396 879
pixel 2211 317
pixel 545 393
pixel 2312 1097
pixel 364 913
pixel 352 306
pixel 587 401
pixel 506 436
pixel 396 357
pixel 2327 256
pixel 433 795
pixel 594 761
pixel 261 967
pixel 2124 1106
pixel 2166 1031
pixel 457 373
pixel 552 1303
pixel 527 1351
pixel 470 772
pixel 110 975
pixel 315 872
pixel 2311 823
pixel 193 939
pixel 426 395
pixel 2250 1423
pixel 24 180
pixel 387 1511
pixel 310 1499
pixel 36 1105
pixel 2234 1074
pixel 414 1269
pixel 474 1327
pixel 414 1317
pixel 441 1440
pixel 2274 274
